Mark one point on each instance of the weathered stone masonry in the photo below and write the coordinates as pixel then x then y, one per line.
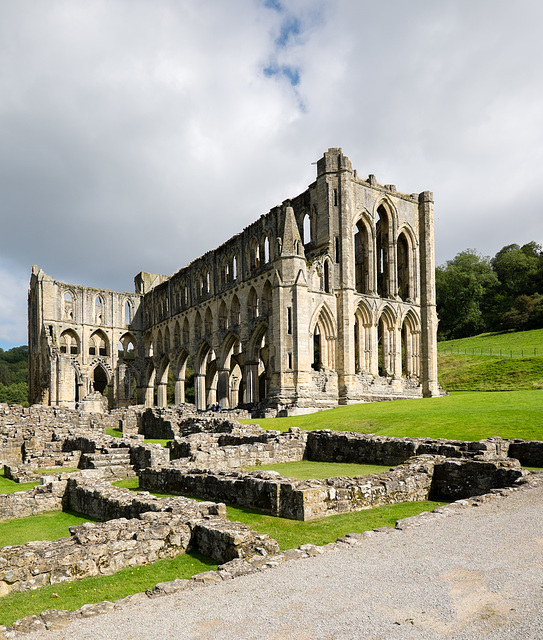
pixel 329 298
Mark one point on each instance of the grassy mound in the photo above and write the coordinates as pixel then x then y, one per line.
pixel 519 343
pixel 489 373
pixel 460 416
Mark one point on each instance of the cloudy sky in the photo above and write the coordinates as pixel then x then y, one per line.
pixel 137 134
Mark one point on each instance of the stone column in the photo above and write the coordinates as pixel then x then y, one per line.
pixel 430 385
pixel 223 388
pixel 162 394
pixel 251 373
pixel 200 391
pixel 180 391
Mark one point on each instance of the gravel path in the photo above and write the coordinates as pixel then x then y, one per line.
pixel 477 573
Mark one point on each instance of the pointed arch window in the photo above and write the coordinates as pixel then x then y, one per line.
pixel 98 310
pixel 306 229
pixel 68 306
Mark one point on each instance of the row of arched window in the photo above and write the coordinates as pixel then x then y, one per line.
pixel 384 265
pixel 98 309
pixel 98 344
pixel 202 322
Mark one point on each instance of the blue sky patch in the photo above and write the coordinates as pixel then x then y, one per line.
pixel 291 73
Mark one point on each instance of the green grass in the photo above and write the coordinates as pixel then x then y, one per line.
pixel 489 373
pixel 306 469
pixel 133 485
pixel 491 343
pixel 292 533
pixel 10 486
pixel 161 441
pixel 45 526
pixel 461 416
pixel 54 470
pixel 72 595
pixel 117 433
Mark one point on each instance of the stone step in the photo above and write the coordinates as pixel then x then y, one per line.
pixel 100 460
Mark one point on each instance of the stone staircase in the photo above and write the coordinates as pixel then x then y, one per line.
pixel 115 462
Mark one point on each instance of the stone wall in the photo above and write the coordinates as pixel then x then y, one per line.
pixel 100 500
pixel 232 451
pixel 137 528
pixel 180 421
pixel 455 479
pixel 528 452
pixel 362 448
pixel 93 549
pixel 296 499
pixel 267 491
pixel 46 497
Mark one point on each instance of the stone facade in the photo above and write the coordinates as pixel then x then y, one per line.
pixel 329 298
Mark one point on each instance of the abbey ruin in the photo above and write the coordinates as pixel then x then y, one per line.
pixel 327 299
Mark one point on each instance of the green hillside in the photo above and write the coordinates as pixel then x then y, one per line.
pixel 505 343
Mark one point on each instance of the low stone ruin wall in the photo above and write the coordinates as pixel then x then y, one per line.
pixel 361 448
pixel 138 528
pixel 93 549
pixel 236 451
pixel 184 420
pixel 297 499
pixel 46 497
pixel 528 452
pixel 456 479
pixel 100 500
pixel 416 480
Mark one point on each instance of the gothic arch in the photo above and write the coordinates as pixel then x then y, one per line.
pixel 411 345
pixel 69 342
pixel 386 337
pixel 406 264
pixel 323 332
pixel 364 240
pixel 99 344
pixel 363 339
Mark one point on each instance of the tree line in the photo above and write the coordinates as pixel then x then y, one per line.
pixel 14 375
pixel 476 294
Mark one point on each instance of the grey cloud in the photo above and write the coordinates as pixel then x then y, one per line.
pixel 135 136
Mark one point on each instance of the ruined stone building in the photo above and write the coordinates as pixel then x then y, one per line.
pixel 327 299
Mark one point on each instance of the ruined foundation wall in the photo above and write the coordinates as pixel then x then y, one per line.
pixel 43 498
pixel 295 499
pixel 93 549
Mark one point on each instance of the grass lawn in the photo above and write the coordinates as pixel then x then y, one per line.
pixel 10 486
pixel 489 373
pixel 516 342
pixel 133 485
pixel 292 533
pixel 55 470
pixel 45 526
pixel 461 416
pixel 117 433
pixel 72 595
pixel 306 469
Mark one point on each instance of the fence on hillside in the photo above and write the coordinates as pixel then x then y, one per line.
pixel 502 353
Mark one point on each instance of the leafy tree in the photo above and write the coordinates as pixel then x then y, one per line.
pixel 526 313
pixel 517 269
pixel 465 288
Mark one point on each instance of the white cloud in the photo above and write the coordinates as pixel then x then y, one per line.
pixel 135 135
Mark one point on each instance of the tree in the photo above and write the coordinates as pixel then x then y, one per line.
pixel 465 288
pixel 517 269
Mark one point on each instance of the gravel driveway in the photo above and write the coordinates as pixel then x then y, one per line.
pixel 474 571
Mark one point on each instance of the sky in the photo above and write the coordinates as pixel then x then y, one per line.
pixel 135 135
